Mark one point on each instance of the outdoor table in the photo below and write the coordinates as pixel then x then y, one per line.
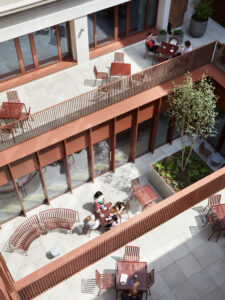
pixel 145 195
pixel 136 272
pixel 166 49
pixel 219 211
pixel 120 69
pixel 11 110
pixel 102 214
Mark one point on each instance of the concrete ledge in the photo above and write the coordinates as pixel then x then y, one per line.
pixel 163 188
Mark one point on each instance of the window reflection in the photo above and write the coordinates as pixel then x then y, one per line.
pixel 91 31
pixel 79 167
pixel 220 119
pixel 31 190
pixel 122 11
pixel 105 25
pixel 162 130
pixel 138 10
pixel 46 45
pixel 64 40
pixel 101 157
pixel 152 13
pixel 143 138
pixel 9 64
pixel 123 145
pixel 55 176
pixel 9 202
pixel 26 52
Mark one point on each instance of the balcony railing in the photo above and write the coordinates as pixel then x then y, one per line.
pixel 82 105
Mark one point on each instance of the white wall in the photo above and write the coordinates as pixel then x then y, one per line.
pixel 163 14
pixel 79 38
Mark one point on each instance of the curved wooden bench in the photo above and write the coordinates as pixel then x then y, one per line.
pixel 24 235
pixel 59 218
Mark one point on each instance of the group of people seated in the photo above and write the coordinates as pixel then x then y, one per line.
pixel 100 202
pixel 150 42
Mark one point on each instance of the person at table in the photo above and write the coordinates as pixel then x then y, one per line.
pixel 151 42
pixel 99 199
pixel 115 221
pixel 92 222
pixel 133 294
pixel 187 48
pixel 118 208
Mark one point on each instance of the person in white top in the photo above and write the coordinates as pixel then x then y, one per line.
pixel 92 222
pixel 187 47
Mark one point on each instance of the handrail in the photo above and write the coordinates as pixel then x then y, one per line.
pixel 87 103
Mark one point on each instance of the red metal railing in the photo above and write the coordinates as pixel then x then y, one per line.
pixel 71 263
pixel 75 108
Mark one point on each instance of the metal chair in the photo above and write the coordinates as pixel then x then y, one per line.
pixel 204 151
pixel 131 253
pixel 105 281
pixel 212 200
pixel 138 77
pixel 100 75
pixel 119 57
pixel 135 184
pixel 150 279
pixel 12 96
pixel 8 130
pixel 147 51
pixel 216 227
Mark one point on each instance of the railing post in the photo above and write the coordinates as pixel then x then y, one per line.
pixel 214 50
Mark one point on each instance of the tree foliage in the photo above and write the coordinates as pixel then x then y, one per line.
pixel 192 106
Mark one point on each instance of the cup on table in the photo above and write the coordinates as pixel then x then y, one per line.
pixel 104 207
pixel 102 215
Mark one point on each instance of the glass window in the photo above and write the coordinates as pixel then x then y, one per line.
pixel 101 157
pixel 8 60
pixel 46 46
pixel 220 119
pixel 123 143
pixel 9 201
pixel 138 10
pixel 79 167
pixel 31 190
pixel 152 13
pixel 143 138
pixel 91 31
pixel 223 149
pixel 122 12
pixel 26 52
pixel 64 39
pixel 105 26
pixel 162 130
pixel 56 178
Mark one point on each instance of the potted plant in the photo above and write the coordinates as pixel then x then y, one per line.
pixel 199 19
pixel 178 34
pixel 162 35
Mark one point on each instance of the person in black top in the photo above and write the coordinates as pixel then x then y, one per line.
pixel 133 294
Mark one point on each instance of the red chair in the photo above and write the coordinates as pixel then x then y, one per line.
pixel 105 281
pixel 100 75
pixel 150 280
pixel 131 253
pixel 216 227
pixel 212 200
pixel 12 96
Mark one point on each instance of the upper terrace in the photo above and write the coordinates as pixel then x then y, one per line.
pixel 157 82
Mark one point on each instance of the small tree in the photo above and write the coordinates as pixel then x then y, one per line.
pixel 192 106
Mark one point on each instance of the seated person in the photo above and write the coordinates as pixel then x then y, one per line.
pixel 187 48
pixel 112 223
pixel 151 42
pixel 99 199
pixel 118 208
pixel 92 222
pixel 133 294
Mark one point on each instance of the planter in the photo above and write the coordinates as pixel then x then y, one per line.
pixel 162 37
pixel 159 183
pixel 197 29
pixel 179 38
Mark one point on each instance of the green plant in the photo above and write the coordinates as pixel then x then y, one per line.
pixel 178 32
pixel 162 31
pixel 192 106
pixel 203 10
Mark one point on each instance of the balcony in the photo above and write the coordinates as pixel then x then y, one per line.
pixel 204 59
